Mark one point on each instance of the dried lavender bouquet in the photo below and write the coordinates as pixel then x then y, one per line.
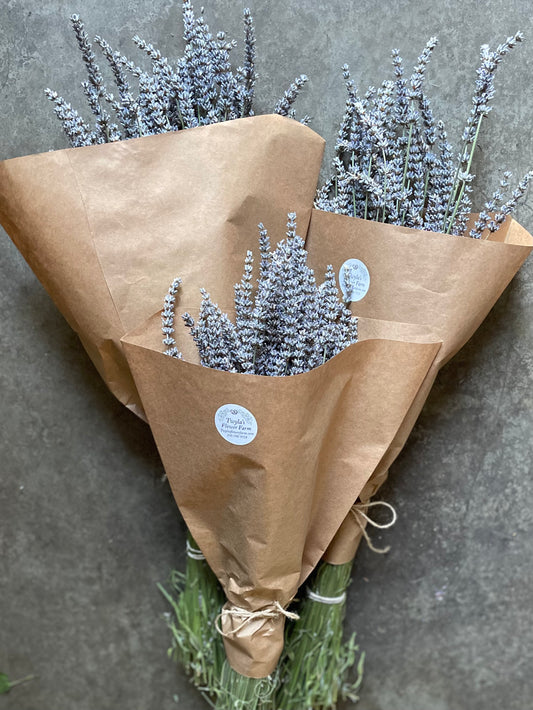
pixel 287 325
pixel 393 164
pixel 198 89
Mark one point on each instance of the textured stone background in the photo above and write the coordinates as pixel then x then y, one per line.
pixel 86 525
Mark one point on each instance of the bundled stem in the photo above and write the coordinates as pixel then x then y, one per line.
pixel 196 598
pixel 237 692
pixel 316 664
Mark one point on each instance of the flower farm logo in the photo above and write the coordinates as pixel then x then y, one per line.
pixel 354 280
pixel 236 424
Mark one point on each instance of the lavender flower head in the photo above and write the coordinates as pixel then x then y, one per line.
pixel 286 325
pixel 199 88
pixel 393 161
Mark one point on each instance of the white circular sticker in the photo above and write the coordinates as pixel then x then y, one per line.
pixel 354 280
pixel 236 424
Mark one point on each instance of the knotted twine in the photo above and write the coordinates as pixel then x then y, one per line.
pixel 358 511
pixel 271 611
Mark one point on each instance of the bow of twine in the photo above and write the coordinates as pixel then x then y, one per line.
pixel 358 510
pixel 272 611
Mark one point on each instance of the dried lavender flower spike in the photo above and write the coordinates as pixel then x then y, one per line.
pixel 248 72
pixel 77 131
pixel 284 105
pixel 167 320
pixel 93 70
pixel 393 161
pixel 286 326
pixel 348 281
pixel 418 75
pixel 94 88
pixel 509 207
pixel 484 93
pixel 197 89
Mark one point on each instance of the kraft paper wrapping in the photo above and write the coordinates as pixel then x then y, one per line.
pixel 106 228
pixel 446 283
pixel 263 513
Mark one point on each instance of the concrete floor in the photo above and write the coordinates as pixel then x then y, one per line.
pixel 87 527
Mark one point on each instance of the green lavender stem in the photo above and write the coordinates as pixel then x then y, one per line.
pixel 405 167
pixel 407 154
pixel 463 182
pixel 315 662
pixel 353 188
pixel 384 184
pixel 196 599
pixel 455 198
pixel 238 692
pixel 366 198
pixel 404 215
pixel 426 185
pixel 6 685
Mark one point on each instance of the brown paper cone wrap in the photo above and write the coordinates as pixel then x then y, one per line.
pixel 106 228
pixel 444 283
pixel 264 513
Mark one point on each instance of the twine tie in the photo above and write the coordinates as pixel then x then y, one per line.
pixel 272 611
pixel 359 514
pixel 316 597
pixel 194 553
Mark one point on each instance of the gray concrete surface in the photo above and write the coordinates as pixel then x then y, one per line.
pixel 87 527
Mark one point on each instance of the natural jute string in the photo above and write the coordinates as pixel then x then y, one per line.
pixel 193 553
pixel 358 512
pixel 272 611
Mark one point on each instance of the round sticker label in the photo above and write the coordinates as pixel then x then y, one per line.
pixel 354 280
pixel 236 424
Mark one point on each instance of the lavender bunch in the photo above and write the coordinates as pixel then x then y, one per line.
pixel 286 326
pixel 393 162
pixel 199 88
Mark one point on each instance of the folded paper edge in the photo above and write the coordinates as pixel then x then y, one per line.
pixel 127 143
